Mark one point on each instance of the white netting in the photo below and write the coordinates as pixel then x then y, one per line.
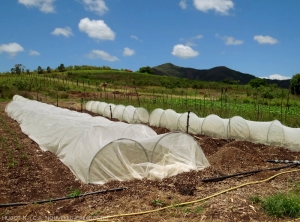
pixel 272 132
pixel 98 150
pixel 154 118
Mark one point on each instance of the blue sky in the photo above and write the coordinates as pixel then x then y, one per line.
pixel 259 37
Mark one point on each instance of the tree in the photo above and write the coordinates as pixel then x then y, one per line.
pixel 48 69
pixel 295 84
pixel 146 69
pixel 257 82
pixel 61 68
pixel 18 69
pixel 40 70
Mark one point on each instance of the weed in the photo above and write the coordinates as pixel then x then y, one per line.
pixel 24 156
pixel 296 188
pixel 158 202
pixel 187 210
pixel 4 213
pixel 198 209
pixel 282 205
pixel 255 199
pixel 12 163
pixel 95 213
pixel 74 193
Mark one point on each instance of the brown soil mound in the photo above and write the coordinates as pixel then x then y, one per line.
pixel 29 174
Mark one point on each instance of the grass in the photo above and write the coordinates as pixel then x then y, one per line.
pixel 281 204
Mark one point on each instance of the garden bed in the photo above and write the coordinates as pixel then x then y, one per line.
pixel 28 175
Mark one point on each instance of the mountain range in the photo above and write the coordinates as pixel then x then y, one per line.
pixel 216 74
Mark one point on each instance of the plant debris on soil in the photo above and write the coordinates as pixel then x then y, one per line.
pixel 29 174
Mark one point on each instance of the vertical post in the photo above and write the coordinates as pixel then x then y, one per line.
pixel 138 98
pixel 281 105
pixel 57 100
pixel 188 122
pixel 110 112
pixel 81 104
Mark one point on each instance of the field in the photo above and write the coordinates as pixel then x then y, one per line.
pixel 30 175
pixel 149 91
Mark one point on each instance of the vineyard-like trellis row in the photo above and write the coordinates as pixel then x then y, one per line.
pixel 224 105
pixel 271 132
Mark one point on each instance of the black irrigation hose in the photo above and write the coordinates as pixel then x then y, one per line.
pixel 284 161
pixel 61 198
pixel 214 179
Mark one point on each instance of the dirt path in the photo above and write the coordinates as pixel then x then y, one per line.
pixel 29 174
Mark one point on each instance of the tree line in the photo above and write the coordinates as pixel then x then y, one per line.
pixel 254 83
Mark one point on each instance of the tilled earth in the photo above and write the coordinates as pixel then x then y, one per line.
pixel 29 175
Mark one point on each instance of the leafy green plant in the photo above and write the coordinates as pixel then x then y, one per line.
pixel 158 202
pixel 74 192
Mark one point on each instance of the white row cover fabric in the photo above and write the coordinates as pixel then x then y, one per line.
pixel 98 150
pixel 269 133
pixel 129 114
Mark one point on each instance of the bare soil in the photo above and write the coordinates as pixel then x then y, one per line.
pixel 28 175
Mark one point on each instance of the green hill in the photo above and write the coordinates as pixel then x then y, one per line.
pixel 216 74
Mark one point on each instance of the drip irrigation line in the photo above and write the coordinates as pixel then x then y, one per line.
pixel 214 179
pixel 61 198
pixel 180 204
pixel 284 161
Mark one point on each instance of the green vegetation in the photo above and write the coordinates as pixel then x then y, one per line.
pixel 74 192
pixel 259 102
pixel 257 82
pixel 295 84
pixel 146 69
pixel 281 204
pixel 158 202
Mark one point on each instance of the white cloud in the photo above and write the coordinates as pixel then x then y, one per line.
pixel 229 40
pixel 276 76
pixel 97 6
pixel 220 6
pixel 11 49
pixel 33 53
pixel 43 5
pixel 265 39
pixel 232 41
pixel 128 52
pixel 183 4
pixel 62 31
pixel 99 54
pixel 190 41
pixel 135 37
pixel 96 29
pixel 184 51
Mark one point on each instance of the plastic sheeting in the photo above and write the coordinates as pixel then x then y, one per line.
pixel 273 132
pixel 98 150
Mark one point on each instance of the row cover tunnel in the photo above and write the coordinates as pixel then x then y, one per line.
pixel 269 133
pixel 98 150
